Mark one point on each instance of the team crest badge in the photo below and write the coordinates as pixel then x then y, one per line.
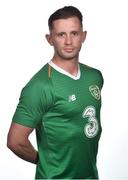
pixel 95 91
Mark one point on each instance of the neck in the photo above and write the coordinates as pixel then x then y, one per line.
pixel 71 66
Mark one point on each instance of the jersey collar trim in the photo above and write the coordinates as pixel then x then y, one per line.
pixel 57 68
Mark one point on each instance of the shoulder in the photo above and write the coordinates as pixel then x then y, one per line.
pixel 93 73
pixel 90 69
pixel 40 76
pixel 39 82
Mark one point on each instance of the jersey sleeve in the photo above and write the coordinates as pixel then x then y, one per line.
pixel 101 79
pixel 33 103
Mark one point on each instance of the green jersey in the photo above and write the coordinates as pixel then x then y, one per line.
pixel 65 111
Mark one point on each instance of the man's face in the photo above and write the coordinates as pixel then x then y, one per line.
pixel 67 37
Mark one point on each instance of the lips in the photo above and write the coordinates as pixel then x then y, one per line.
pixel 68 49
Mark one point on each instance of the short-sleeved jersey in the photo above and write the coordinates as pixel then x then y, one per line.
pixel 66 114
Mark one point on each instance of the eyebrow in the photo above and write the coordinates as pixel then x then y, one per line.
pixel 74 31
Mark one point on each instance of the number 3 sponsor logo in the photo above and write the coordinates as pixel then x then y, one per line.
pixel 91 128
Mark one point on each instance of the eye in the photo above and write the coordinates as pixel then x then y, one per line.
pixel 75 33
pixel 61 34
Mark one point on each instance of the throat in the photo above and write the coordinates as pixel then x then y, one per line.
pixel 68 66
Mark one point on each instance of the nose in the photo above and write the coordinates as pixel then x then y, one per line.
pixel 68 40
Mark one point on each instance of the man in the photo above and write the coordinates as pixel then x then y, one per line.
pixel 62 102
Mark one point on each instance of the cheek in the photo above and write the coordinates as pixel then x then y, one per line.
pixel 58 43
pixel 78 40
pixel 57 46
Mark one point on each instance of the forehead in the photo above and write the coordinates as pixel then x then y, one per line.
pixel 71 23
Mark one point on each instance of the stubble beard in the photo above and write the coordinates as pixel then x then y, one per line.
pixel 67 56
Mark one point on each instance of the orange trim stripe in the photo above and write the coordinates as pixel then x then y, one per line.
pixel 49 71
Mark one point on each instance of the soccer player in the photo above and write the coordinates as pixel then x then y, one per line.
pixel 62 102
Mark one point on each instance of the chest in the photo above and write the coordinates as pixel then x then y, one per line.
pixel 76 109
pixel 71 97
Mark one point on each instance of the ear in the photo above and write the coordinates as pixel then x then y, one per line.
pixel 84 36
pixel 49 39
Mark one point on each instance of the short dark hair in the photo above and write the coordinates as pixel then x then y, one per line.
pixel 64 13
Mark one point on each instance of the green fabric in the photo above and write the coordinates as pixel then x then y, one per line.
pixel 66 115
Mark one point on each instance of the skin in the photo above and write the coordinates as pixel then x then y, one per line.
pixel 66 37
pixel 18 142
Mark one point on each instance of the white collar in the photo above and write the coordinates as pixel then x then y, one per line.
pixel 65 72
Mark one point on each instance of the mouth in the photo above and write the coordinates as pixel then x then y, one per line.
pixel 69 50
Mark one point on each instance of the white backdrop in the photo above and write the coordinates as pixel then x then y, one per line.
pixel 24 50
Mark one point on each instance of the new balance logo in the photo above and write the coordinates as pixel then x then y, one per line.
pixel 71 98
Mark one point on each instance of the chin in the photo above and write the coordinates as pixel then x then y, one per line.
pixel 70 57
